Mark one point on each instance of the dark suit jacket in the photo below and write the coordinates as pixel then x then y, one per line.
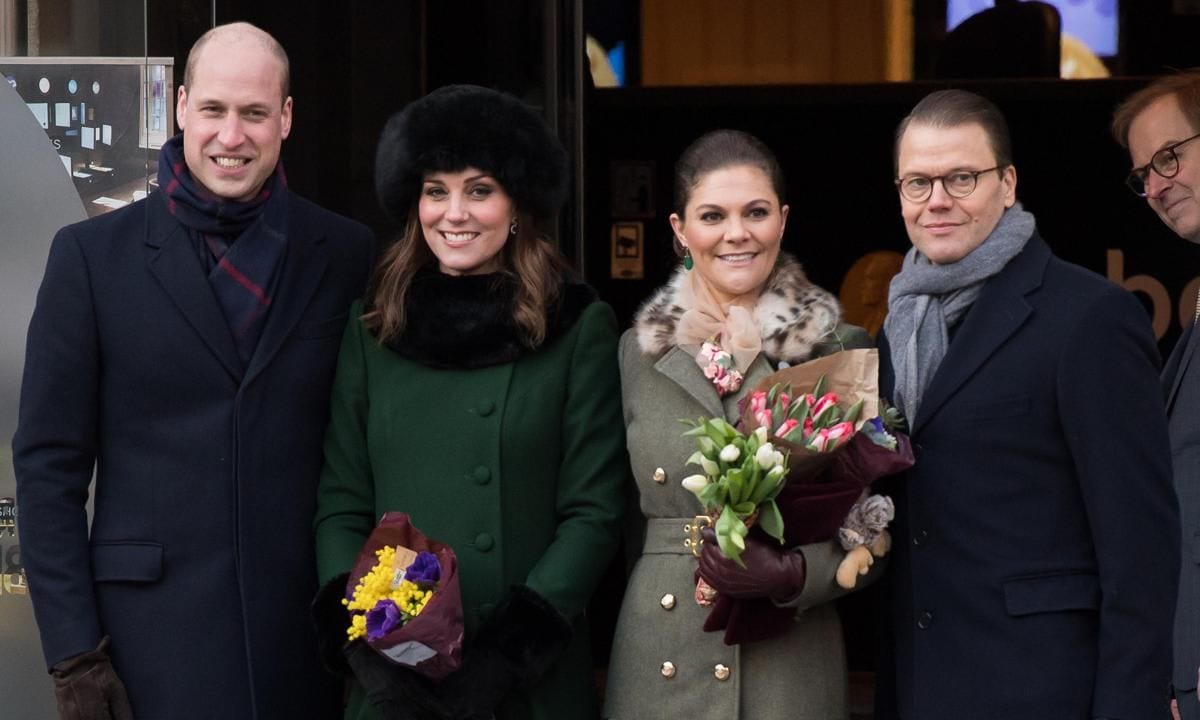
pixel 1036 560
pixel 1181 383
pixel 199 558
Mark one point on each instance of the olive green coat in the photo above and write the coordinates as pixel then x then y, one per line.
pixel 519 467
pixel 798 676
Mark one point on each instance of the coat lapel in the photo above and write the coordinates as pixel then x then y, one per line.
pixel 682 369
pixel 303 267
pixel 173 262
pixel 1177 365
pixel 999 312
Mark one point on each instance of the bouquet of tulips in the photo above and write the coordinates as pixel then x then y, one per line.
pixel 823 456
pixel 404 599
pixel 742 476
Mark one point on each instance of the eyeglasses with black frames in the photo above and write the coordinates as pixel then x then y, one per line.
pixel 1165 163
pixel 958 184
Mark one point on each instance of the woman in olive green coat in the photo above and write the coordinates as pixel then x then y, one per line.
pixel 736 288
pixel 477 391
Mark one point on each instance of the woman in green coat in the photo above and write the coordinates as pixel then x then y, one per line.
pixel 477 391
pixel 735 287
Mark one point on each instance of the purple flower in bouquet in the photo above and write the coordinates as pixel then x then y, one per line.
pixel 382 619
pixel 424 570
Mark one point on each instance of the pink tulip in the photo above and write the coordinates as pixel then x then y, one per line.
pixel 786 428
pixel 839 434
pixel 827 402
pixel 819 440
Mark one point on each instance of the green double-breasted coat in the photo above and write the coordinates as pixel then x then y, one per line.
pixel 519 467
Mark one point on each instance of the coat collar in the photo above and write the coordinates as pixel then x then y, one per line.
pixel 792 314
pixel 1000 310
pixel 172 260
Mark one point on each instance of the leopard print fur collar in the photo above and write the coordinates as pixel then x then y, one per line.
pixel 792 314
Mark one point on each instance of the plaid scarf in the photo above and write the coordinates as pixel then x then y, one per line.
pixel 241 244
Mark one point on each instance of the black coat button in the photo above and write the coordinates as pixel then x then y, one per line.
pixel 925 620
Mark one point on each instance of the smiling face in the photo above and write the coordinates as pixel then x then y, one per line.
pixel 732 226
pixel 946 229
pixel 1175 200
pixel 465 218
pixel 234 118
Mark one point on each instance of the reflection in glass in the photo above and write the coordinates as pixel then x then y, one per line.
pixel 95 87
pixel 72 86
pixel 44 85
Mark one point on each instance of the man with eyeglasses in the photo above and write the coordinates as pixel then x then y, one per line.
pixel 1159 125
pixel 1036 537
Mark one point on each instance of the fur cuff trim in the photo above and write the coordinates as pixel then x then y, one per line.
pixel 528 632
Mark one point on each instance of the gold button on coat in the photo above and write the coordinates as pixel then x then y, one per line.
pixel 721 672
pixel 660 476
pixel 667 602
pixel 668 669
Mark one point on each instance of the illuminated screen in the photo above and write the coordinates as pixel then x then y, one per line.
pixel 1093 22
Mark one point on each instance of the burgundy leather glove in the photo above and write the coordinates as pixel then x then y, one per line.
pixel 770 570
pixel 87 688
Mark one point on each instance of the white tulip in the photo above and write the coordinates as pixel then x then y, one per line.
pixel 761 434
pixel 730 453
pixel 766 456
pixel 710 467
pixel 695 483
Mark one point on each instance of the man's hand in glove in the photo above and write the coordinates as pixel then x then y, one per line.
pixel 87 688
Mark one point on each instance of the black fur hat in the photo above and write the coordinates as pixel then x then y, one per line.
pixel 461 126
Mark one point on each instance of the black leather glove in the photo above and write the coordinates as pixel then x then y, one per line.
pixel 87 688
pixel 770 570
pixel 331 619
pixel 396 692
pixel 513 649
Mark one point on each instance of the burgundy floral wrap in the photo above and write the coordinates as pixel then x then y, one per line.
pixel 431 643
pixel 821 487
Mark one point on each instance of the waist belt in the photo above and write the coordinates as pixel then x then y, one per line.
pixel 671 536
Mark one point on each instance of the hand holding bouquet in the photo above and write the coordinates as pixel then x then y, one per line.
pixel 742 476
pixel 829 456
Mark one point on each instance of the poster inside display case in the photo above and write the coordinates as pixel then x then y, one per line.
pixel 106 118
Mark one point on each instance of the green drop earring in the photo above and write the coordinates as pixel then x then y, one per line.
pixel 687 259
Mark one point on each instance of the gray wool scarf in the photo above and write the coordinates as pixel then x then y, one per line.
pixel 925 300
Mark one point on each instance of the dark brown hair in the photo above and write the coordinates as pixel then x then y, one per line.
pixel 1184 85
pixel 721 149
pixel 955 108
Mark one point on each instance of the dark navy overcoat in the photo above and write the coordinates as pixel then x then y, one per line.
pixel 1037 536
pixel 199 558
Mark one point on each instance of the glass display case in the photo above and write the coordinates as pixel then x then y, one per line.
pixel 106 117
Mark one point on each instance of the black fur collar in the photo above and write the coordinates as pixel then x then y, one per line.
pixel 465 321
